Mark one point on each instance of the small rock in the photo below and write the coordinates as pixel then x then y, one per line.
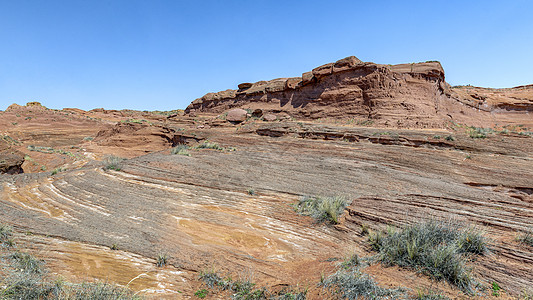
pixel 270 117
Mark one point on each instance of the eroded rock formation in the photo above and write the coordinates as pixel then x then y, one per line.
pixel 406 95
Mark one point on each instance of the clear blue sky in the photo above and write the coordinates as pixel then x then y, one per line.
pixel 156 54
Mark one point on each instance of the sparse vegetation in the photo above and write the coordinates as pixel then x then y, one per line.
pixel 526 237
pixel 478 132
pixel 250 191
pixel 351 261
pixel 50 150
pixel 181 149
pixel 364 229
pixel 113 163
pixel 322 208
pixel 210 145
pixel 354 284
pixel 58 170
pixel 429 296
pixel 450 138
pixel 201 293
pixel 6 232
pixel 436 248
pixel 495 289
pixel 244 288
pixel 114 247
pixel 24 277
pixel 161 260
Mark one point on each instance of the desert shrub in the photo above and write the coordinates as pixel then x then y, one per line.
pixel 351 261
pixel 478 133
pixel 201 293
pixel 5 232
pixel 113 163
pixel 210 145
pixel 353 284
pixel 161 260
pixel 430 296
pixel 26 262
pixel 436 248
pixel 250 191
pixel 181 149
pixel 322 208
pixel 99 291
pixel 526 237
pixel 242 288
pixel 450 138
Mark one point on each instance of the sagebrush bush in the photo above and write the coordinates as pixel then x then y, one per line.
pixel 437 248
pixel 322 208
pixel 113 163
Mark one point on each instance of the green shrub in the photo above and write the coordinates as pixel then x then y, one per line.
pixel 250 191
pixel 322 208
pixel 181 149
pixel 201 293
pixel 436 248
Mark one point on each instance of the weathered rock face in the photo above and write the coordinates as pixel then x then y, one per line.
pixel 10 160
pixel 405 95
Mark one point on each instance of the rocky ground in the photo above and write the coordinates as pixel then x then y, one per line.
pixel 230 209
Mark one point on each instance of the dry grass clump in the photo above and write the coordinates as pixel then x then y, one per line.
pixel 181 149
pixel 210 145
pixel 439 249
pixel 354 284
pixel 322 209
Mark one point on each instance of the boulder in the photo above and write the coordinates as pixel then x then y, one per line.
pixel 237 115
pixel 270 117
pixel 245 85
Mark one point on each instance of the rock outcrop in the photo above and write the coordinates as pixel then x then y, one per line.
pixel 11 160
pixel 412 95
